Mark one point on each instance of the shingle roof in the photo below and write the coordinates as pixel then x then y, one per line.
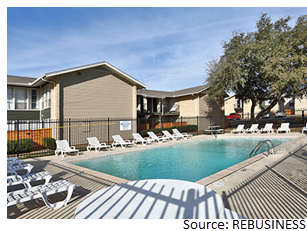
pixel 11 79
pixel 171 94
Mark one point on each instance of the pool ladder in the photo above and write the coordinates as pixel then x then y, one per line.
pixel 260 144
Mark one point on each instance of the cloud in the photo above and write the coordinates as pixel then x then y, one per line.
pixel 165 48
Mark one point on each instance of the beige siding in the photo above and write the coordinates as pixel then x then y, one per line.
pixel 188 106
pixel 229 105
pixel 212 109
pixel 301 104
pixel 95 95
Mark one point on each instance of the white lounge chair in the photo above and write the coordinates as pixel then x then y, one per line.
pixel 20 167
pixel 168 135
pixel 154 137
pixel 139 139
pixel 63 147
pixel 181 135
pixel 304 129
pixel 239 129
pixel 41 192
pixel 93 142
pixel 13 161
pixel 284 127
pixel 12 158
pixel 267 128
pixel 252 129
pixel 118 140
pixel 26 179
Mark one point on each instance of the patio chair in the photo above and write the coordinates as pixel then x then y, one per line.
pixel 252 129
pixel 13 161
pixel 15 179
pixel 41 192
pixel 169 136
pixel 284 127
pixel 181 135
pixel 93 142
pixel 139 139
pixel 118 140
pixel 63 148
pixel 154 137
pixel 239 129
pixel 304 129
pixel 20 167
pixel 267 128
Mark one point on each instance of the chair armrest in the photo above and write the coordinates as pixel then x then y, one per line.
pixel 72 147
pixel 12 172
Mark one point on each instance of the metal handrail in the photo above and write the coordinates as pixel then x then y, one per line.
pixel 260 144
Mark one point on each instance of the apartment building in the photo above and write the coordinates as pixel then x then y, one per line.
pixel 189 103
pixel 101 90
pixel 97 90
pixel 289 105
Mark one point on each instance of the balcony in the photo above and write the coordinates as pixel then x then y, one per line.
pixel 157 110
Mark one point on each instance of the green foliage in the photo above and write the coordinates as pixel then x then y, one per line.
pixel 25 145
pixel 49 143
pixel 187 128
pixel 267 64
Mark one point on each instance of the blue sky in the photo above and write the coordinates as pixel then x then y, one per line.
pixel 164 48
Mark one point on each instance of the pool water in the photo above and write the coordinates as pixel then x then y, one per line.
pixel 188 161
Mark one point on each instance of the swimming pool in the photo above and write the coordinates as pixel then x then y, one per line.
pixel 190 161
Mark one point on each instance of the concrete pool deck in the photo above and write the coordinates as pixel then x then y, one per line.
pixel 269 187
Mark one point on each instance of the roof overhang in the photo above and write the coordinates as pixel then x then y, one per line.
pixel 19 84
pixel 106 65
pixel 169 94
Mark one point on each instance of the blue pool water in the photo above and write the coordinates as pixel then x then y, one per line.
pixel 188 161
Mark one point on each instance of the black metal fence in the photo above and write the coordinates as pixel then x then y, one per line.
pixel 37 138
pixel 297 119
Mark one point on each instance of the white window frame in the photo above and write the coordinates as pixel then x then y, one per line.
pixel 13 99
pixel 46 97
pixel 37 99
pixel 28 100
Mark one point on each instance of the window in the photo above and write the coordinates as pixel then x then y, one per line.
pixel 33 99
pixel 10 98
pixel 239 103
pixel 20 98
pixel 46 102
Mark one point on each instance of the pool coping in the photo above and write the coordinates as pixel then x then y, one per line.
pixel 286 147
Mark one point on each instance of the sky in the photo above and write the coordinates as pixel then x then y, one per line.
pixel 164 48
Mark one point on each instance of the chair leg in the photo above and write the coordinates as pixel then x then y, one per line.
pixel 88 148
pixel 61 203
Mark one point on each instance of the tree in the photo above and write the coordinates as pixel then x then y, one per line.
pixel 266 65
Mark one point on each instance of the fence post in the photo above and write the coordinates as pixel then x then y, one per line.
pixel 197 124
pixel 161 122
pixel 181 121
pixel 17 128
pixel 303 118
pixel 108 130
pixel 69 129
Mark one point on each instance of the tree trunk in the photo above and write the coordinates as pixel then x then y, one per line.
pixel 253 119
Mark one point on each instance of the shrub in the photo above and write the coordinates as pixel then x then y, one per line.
pixel 25 145
pixel 49 143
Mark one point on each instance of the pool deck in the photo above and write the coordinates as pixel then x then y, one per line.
pixel 272 187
